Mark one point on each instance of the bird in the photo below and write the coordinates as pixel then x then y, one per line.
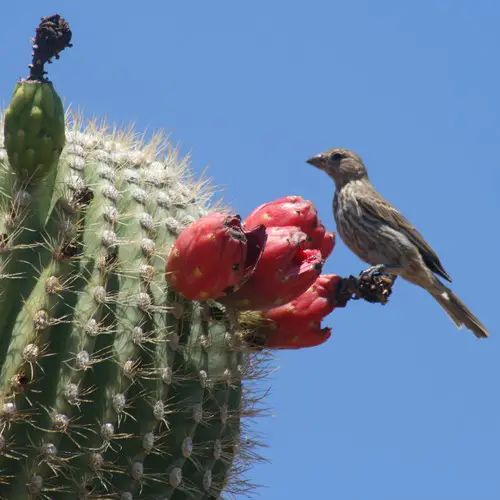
pixel 374 230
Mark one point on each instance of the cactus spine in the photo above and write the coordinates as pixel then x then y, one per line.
pixel 112 385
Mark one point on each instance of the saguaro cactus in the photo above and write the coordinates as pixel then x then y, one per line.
pixel 112 386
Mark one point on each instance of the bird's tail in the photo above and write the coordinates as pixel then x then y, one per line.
pixel 458 311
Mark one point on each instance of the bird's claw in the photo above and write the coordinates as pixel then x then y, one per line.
pixel 371 285
pixel 368 273
pixel 376 286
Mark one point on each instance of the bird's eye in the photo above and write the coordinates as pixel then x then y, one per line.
pixel 336 157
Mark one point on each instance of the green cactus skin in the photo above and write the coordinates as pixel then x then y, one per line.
pixel 34 129
pixel 112 385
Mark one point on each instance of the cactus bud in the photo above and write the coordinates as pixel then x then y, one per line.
pixel 34 121
pixel 34 129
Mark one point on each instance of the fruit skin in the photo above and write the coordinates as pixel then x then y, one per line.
pixel 297 324
pixel 34 130
pixel 315 303
pixel 290 211
pixel 286 211
pixel 328 244
pixel 316 237
pixel 113 386
pixel 285 270
pixel 300 335
pixel 209 257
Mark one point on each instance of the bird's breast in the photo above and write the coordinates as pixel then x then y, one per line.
pixel 361 232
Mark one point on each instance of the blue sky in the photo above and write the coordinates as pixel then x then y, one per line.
pixel 398 405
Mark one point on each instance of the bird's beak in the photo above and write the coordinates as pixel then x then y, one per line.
pixel 317 161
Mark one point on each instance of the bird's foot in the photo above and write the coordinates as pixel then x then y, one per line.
pixel 378 269
pixel 371 285
pixel 375 285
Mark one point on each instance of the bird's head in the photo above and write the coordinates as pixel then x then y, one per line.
pixel 341 165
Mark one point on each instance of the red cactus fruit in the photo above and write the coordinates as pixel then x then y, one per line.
pixel 284 271
pixel 327 245
pixel 289 211
pixel 213 256
pixel 315 303
pixel 304 334
pixel 297 324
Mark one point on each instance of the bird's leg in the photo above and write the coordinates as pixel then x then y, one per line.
pixel 381 269
pixel 378 269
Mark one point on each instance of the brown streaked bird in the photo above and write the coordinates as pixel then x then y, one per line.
pixel 378 234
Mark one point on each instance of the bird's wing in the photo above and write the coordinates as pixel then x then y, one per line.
pixel 380 208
